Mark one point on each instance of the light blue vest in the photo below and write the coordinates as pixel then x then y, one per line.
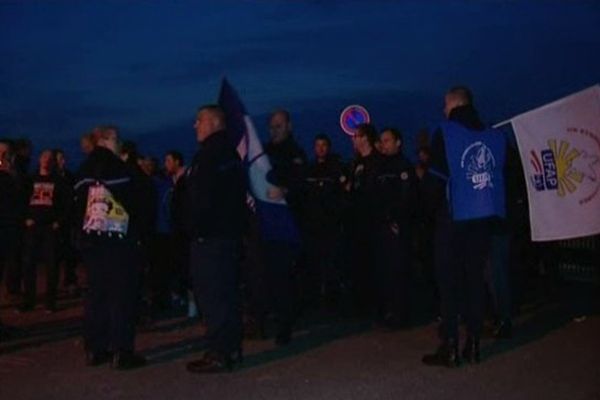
pixel 476 161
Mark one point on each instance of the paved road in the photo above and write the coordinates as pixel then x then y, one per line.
pixel 551 357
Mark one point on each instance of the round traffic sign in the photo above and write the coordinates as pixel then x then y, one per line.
pixel 352 116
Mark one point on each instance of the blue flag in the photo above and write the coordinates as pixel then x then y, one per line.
pixel 275 219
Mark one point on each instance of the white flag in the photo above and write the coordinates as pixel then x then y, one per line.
pixel 560 149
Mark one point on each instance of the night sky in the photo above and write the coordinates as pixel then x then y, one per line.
pixel 146 66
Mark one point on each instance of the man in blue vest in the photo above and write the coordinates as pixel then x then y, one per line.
pixel 468 160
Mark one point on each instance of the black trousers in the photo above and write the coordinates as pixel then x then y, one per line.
pixel 392 274
pixel 159 275
pixel 67 254
pixel 362 243
pixel 425 257
pixel 180 280
pixel 462 250
pixel 7 249
pixel 111 300
pixel 14 272
pixel 280 258
pixel 40 245
pixel 254 285
pixel 214 265
pixel 322 248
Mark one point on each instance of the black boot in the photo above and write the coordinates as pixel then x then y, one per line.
pixel 503 330
pixel 95 358
pixel 215 362
pixel 124 360
pixel 471 352
pixel 6 333
pixel 254 329
pixel 446 355
pixel 284 336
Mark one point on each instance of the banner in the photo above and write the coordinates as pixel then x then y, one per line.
pixel 275 218
pixel 559 146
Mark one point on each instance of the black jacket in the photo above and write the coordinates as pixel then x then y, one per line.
pixel 362 198
pixel 177 204
pixel 47 200
pixel 147 209
pixel 396 190
pixel 103 166
pixel 324 190
pixel 215 197
pixel 288 162
pixel 10 201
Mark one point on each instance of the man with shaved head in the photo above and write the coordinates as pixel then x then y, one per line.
pixel 215 213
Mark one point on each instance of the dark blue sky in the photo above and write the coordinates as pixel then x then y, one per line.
pixel 146 66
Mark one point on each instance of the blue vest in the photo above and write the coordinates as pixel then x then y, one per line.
pixel 164 191
pixel 476 161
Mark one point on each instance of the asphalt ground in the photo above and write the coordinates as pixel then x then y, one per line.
pixel 554 354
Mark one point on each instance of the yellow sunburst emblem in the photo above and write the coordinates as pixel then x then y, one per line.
pixel 568 177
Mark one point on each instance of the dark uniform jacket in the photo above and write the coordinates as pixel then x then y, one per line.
pixel 288 162
pixel 215 191
pixel 324 190
pixel 178 203
pixel 147 209
pixel 396 190
pixel 362 197
pixel 69 182
pixel 10 200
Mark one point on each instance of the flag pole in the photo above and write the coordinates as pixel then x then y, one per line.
pixel 498 125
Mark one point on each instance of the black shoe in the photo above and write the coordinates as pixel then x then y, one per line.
pixel 93 359
pixel 214 363
pixel 284 337
pixel 504 330
pixel 471 352
pixel 73 291
pixel 254 329
pixel 7 332
pixel 445 356
pixel 50 309
pixel 395 322
pixel 124 360
pixel 25 308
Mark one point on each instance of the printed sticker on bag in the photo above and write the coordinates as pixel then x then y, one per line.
pixel 104 214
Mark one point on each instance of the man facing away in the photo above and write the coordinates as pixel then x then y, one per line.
pixel 469 160
pixel 108 202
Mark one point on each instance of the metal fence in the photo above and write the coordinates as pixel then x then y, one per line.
pixel 578 259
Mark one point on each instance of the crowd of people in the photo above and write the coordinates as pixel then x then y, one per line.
pixel 152 238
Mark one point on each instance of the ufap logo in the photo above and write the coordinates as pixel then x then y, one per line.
pixel 545 176
pixel 479 163
pixel 565 169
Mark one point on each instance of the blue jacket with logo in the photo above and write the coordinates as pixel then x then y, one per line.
pixel 476 179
